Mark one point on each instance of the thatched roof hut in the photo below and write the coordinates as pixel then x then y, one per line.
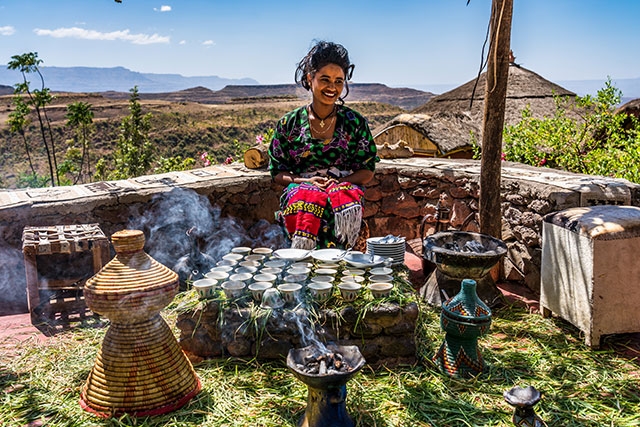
pixel 448 124
pixel 431 135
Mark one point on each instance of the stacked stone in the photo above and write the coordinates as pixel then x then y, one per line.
pixel 384 335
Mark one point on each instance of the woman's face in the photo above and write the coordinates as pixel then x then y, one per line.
pixel 327 84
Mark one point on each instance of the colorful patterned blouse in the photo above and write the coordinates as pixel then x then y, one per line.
pixel 293 149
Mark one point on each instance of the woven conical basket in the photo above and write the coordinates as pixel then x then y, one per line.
pixel 132 286
pixel 140 369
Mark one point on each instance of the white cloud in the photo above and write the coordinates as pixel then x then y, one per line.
pixel 81 33
pixel 7 31
pixel 208 43
pixel 183 42
pixel 163 8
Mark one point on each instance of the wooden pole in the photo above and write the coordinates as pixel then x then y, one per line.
pixel 493 118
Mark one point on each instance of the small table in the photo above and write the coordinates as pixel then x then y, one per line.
pixel 72 240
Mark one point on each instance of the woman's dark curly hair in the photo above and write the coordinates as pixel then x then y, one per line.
pixel 321 54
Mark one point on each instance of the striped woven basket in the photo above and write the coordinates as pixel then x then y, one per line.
pixel 140 369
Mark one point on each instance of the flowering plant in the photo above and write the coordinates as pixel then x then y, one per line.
pixel 206 160
pixel 265 138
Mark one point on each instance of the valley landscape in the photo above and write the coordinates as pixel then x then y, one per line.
pixel 189 115
pixel 188 122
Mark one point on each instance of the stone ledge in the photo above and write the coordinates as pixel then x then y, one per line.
pixel 233 177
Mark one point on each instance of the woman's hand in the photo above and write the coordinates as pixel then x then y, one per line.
pixel 286 178
pixel 321 182
pixel 359 177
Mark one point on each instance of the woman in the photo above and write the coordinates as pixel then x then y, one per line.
pixel 324 154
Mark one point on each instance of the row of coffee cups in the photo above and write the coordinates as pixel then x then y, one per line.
pixel 290 291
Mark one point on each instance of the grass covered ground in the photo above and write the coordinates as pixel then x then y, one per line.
pixel 41 383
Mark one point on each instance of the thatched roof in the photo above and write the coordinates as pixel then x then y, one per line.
pixel 524 88
pixel 632 108
pixel 449 131
pixel 453 116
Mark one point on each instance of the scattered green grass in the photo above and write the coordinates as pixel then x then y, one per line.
pixel 580 386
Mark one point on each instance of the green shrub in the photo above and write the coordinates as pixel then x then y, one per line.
pixel 603 143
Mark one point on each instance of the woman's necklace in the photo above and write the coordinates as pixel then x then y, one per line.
pixel 322 131
pixel 333 110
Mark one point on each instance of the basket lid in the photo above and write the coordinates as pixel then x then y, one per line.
pixel 466 306
pixel 131 269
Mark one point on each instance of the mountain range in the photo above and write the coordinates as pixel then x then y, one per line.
pixel 94 79
pixel 120 79
pixel 116 83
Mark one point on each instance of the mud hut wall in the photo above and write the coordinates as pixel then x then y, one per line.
pixel 402 194
pixel 417 141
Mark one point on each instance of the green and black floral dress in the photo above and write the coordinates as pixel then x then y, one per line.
pixel 294 150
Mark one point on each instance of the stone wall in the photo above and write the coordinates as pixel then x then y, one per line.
pixel 232 204
pixel 406 191
pixel 385 334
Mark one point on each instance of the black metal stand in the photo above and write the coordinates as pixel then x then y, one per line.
pixel 326 407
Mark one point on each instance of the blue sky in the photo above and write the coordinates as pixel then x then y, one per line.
pixel 398 43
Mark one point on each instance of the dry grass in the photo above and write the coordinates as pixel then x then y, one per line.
pixel 581 387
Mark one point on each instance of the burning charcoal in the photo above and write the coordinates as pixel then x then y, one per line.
pixel 452 246
pixel 323 367
pixel 337 363
pixel 473 246
pixel 324 364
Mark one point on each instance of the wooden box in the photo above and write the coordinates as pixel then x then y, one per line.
pixel 590 273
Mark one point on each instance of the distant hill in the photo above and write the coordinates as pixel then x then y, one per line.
pixel 117 81
pixel 405 98
pixel 6 90
pixel 93 79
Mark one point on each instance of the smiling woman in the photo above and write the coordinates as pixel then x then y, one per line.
pixel 324 154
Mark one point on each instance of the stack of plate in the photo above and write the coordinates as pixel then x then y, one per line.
pixel 387 247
